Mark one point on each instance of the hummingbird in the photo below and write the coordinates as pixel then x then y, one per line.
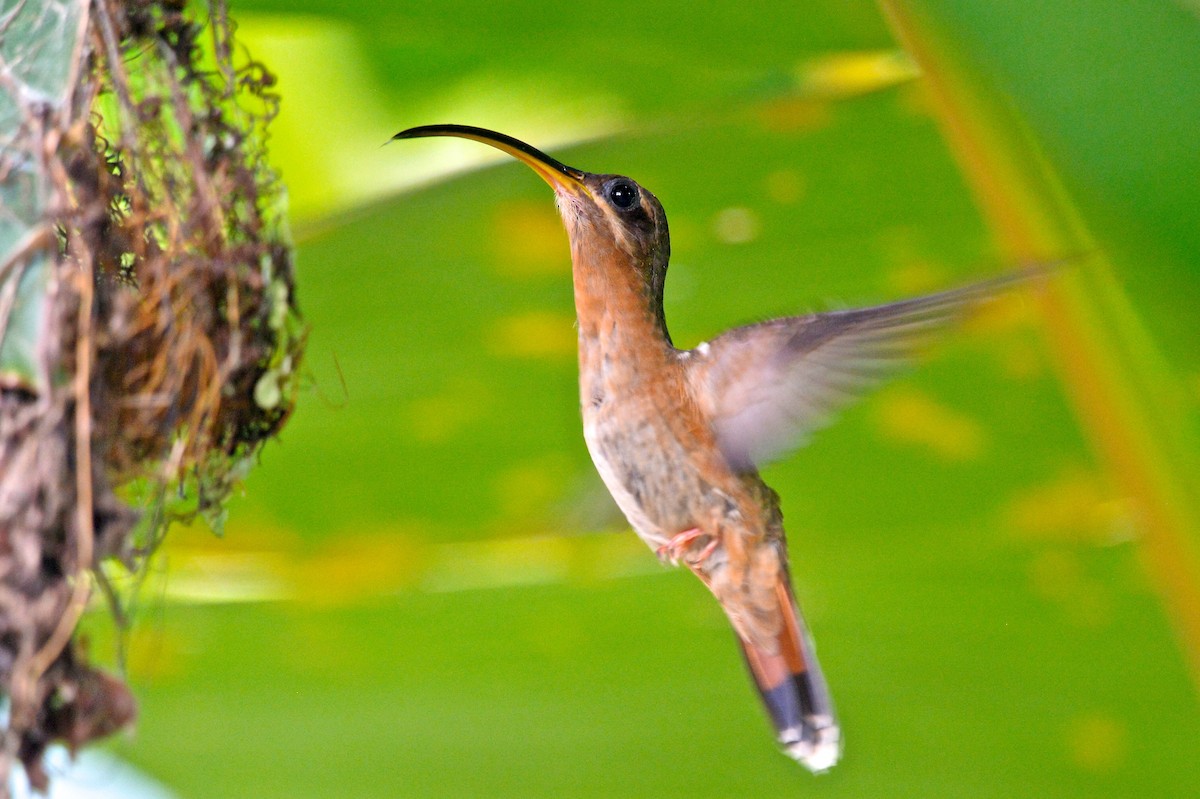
pixel 678 435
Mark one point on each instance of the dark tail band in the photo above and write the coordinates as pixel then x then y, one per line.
pixel 792 688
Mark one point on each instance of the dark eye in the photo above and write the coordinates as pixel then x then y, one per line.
pixel 623 195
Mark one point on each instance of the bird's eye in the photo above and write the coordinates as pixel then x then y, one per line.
pixel 623 194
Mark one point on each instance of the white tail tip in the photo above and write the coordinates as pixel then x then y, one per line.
pixel 822 749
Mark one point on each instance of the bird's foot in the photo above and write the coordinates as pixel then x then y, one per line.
pixel 675 549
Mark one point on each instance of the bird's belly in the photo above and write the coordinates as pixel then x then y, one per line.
pixel 649 476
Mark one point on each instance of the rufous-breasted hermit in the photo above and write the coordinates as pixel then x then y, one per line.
pixel 678 435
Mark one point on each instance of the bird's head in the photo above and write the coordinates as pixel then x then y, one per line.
pixel 603 214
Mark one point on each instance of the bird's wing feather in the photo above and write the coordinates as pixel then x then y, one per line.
pixel 766 386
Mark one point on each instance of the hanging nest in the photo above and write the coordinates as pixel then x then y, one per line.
pixel 150 330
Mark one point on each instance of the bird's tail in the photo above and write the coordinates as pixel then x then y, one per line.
pixel 791 685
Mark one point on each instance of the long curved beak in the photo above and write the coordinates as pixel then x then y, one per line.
pixel 556 173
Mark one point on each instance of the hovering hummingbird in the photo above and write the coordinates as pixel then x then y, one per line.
pixel 678 435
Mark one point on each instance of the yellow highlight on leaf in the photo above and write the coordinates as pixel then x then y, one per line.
pixel 437 418
pixel 784 186
pixel 1097 742
pixel 794 114
pixel 501 562
pixel 536 334
pixel 915 275
pixel 528 488
pixel 529 241
pixel 1059 576
pixel 1005 312
pixel 157 654
pixel 850 74
pixel 355 567
pixel 913 417
pixel 1073 507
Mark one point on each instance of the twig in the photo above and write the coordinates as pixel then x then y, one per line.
pixel 84 502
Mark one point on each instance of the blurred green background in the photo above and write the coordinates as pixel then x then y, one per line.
pixel 425 591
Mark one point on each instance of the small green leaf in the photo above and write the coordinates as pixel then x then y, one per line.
pixel 267 393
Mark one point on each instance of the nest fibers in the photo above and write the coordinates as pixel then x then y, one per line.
pixel 147 309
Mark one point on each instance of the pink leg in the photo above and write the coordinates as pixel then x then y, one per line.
pixel 675 548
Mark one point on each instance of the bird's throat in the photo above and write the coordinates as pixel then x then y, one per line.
pixel 620 314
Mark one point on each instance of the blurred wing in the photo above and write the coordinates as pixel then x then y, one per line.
pixel 766 386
